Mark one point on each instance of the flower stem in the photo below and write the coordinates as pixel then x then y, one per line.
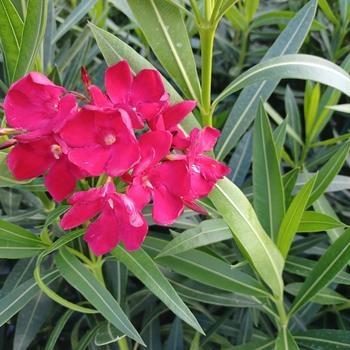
pixel 207 34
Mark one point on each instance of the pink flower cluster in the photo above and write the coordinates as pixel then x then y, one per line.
pixel 130 134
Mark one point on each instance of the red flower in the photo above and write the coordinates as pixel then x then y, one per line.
pixel 204 171
pixel 101 141
pixel 45 156
pixel 170 118
pixel 165 182
pixel 142 97
pixel 35 104
pixel 119 219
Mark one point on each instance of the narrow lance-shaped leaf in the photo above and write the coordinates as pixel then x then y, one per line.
pixel 11 27
pixel 325 339
pixel 82 279
pixel 329 97
pixel 17 243
pixel 13 302
pixel 279 137
pixel 305 67
pixel 207 232
pixel 74 17
pixel 303 267
pixel 330 264
pixel 267 181
pixel 55 333
pixel 329 171
pixel 163 25
pixel 312 221
pixel 33 34
pixel 293 217
pixel 241 159
pixel 248 232
pixel 143 267
pixel 244 109
pixel 207 269
pixel 326 296
pixel 289 181
pixel 292 111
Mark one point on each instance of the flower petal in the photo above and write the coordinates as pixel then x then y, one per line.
pixel 147 87
pixel 159 141
pixel 80 213
pixel 103 234
pixel 80 131
pixel 118 82
pixel 166 206
pixel 123 156
pixel 60 181
pixel 26 163
pixel 92 159
pixel 172 174
pixel 173 115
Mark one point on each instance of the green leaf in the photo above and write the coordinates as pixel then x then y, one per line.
pixel 344 108
pixel 17 243
pixel 207 232
pixel 87 338
pixel 113 50
pixel 292 219
pixel 107 334
pixel 13 302
pixel 33 34
pixel 279 137
pixel 244 109
pixel 74 17
pixel 329 97
pixel 267 181
pixel 326 296
pixel 213 296
pixel 329 171
pixel 292 110
pixel 289 182
pixel 11 26
pixel 266 344
pixel 311 102
pixel 305 67
pixel 328 11
pixel 285 341
pixel 312 221
pixel 241 159
pixel 206 269
pixel 144 268
pixel 55 333
pixel 165 31
pixel 327 268
pixel 21 272
pixel 175 340
pixel 303 267
pixel 30 320
pixel 249 234
pixel 82 280
pixel 324 339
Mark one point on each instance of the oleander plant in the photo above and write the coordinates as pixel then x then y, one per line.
pixel 174 174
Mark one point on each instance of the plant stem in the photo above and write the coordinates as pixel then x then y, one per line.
pixel 283 317
pixel 207 34
pixel 45 200
pixel 123 344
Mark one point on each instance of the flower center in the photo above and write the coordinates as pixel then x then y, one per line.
pixel 110 139
pixel 56 151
